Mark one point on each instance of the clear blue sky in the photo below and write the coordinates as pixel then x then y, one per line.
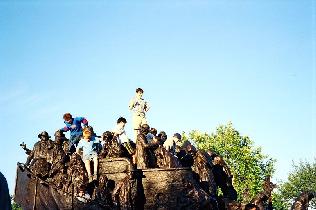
pixel 201 64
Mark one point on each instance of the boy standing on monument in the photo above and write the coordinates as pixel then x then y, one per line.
pixel 139 107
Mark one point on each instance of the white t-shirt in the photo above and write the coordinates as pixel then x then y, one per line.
pixel 171 142
pixel 168 144
pixel 140 106
pixel 121 135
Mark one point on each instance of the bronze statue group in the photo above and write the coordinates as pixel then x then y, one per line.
pixel 71 165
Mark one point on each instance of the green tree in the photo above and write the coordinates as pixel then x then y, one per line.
pixel 14 205
pixel 302 178
pixel 248 164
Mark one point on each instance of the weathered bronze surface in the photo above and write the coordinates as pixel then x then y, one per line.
pixel 120 186
pixel 130 177
pixel 302 201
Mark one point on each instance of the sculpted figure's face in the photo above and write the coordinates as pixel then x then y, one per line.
pixel 176 140
pixel 217 160
pixel 58 140
pixel 44 138
pixel 107 136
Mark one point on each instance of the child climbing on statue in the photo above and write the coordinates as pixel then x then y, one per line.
pixel 89 153
pixel 74 126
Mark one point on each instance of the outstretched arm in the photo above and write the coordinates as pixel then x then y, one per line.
pixel 27 151
pixel 131 104
pixel 83 120
pixel 64 129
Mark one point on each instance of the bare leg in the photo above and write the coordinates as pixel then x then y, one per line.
pixel 137 121
pixel 95 166
pixel 87 165
pixel 143 121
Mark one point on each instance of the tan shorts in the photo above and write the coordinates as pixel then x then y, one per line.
pixel 138 121
pixel 89 156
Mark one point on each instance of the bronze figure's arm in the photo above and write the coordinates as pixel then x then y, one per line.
pixel 27 150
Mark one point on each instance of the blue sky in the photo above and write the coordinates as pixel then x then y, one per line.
pixel 201 64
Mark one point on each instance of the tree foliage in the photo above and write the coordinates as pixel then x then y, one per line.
pixel 14 205
pixel 248 164
pixel 302 178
